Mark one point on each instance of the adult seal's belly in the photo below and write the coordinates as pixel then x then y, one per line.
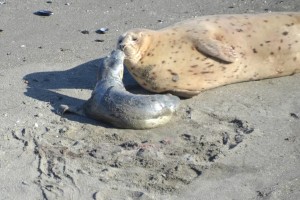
pixel 110 102
pixel 211 51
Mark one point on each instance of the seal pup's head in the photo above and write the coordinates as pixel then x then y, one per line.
pixel 112 67
pixel 134 43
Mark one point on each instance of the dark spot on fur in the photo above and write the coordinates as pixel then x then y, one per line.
pixel 271 53
pixel 193 48
pixel 295 58
pixel 207 72
pixel 211 65
pixel 296 41
pixel 190 70
pixel 266 21
pixel 174 61
pixel 194 66
pixel 239 30
pixel 285 33
pixel 281 41
pixel 163 62
pixel 248 35
pixel 291 24
pixel 223 67
pixel 279 48
pixel 261 45
pixel 268 41
pixel 148 54
pixel 254 50
pixel 195 74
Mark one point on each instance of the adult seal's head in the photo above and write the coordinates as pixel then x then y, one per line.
pixel 135 43
pixel 112 103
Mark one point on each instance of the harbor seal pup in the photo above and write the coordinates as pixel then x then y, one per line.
pixel 211 51
pixel 110 102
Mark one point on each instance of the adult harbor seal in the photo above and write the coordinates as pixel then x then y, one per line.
pixel 111 102
pixel 211 51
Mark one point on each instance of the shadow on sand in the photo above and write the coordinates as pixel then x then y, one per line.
pixel 42 86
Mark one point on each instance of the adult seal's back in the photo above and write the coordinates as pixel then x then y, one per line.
pixel 110 102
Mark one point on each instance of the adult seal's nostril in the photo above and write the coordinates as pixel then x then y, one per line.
pixel 122 46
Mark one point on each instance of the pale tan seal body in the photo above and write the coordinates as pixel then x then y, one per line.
pixel 211 51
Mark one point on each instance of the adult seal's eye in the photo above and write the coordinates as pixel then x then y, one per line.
pixel 134 38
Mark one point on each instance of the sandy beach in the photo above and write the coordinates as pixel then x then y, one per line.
pixel 240 141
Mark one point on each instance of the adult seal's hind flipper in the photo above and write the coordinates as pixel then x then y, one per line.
pixel 112 103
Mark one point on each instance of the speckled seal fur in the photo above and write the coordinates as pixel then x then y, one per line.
pixel 110 102
pixel 211 51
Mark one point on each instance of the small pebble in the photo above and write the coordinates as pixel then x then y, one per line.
pixel 102 30
pixel 293 115
pixel 1 30
pixel 63 130
pixel 85 32
pixel 43 13
pixel 36 125
pixel 49 2
pixel 225 138
pixel 25 183
pixel 238 138
pixel 99 40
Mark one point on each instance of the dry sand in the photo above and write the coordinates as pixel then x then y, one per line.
pixel 240 141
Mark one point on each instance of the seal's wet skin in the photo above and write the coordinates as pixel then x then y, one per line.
pixel 210 51
pixel 110 102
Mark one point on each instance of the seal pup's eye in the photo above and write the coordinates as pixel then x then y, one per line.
pixel 120 40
